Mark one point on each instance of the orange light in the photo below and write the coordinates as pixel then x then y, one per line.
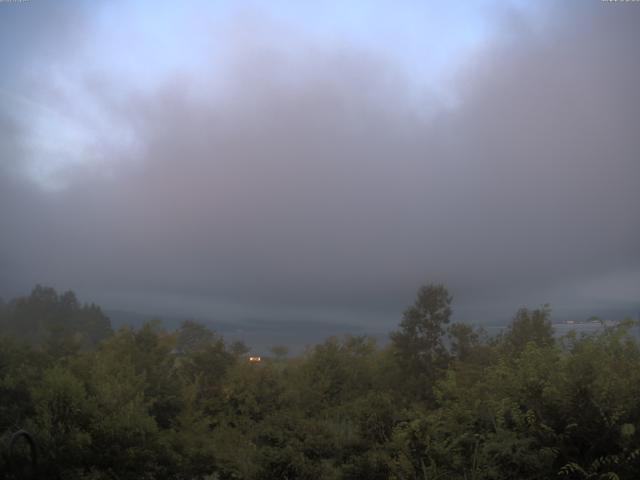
pixel 255 359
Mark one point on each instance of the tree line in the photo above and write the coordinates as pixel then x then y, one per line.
pixel 441 400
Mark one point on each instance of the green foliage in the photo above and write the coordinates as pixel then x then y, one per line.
pixel 57 321
pixel 529 326
pixel 418 344
pixel 441 401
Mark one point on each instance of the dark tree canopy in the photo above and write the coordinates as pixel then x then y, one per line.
pixel 419 343
pixel 439 401
pixel 529 326
pixel 419 339
pixel 45 316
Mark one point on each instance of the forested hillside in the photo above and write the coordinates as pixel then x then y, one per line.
pixel 440 401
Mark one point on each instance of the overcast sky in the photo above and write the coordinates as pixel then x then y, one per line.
pixel 321 160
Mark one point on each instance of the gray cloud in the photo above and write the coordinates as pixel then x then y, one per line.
pixel 318 178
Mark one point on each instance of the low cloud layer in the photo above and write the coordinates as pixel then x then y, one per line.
pixel 324 178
